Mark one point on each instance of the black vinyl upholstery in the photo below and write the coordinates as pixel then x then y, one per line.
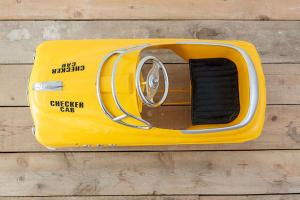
pixel 215 93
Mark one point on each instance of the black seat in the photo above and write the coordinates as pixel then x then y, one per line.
pixel 215 93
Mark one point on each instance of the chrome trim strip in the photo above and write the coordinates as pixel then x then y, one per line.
pixel 118 119
pixel 253 83
pixel 48 86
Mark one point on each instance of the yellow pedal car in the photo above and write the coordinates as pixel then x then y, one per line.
pixel 92 92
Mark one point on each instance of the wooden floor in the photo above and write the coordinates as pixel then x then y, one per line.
pixel 265 169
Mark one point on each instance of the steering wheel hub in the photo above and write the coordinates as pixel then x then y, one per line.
pixel 153 82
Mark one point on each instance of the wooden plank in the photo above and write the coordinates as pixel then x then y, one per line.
pixel 281 130
pixel 212 172
pixel 252 197
pixel 146 9
pixel 277 41
pixel 13 84
pixel 165 197
pixel 280 78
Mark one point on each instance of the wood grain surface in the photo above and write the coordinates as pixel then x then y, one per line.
pixel 159 173
pixel 164 197
pixel 276 41
pixel 150 9
pixel 267 168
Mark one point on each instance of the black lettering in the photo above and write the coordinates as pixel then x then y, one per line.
pixel 67 106
pixel 80 104
pixel 63 69
pixel 68 67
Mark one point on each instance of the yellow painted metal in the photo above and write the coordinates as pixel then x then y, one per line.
pixel 73 116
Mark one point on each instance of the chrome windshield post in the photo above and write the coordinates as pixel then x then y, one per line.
pixel 118 119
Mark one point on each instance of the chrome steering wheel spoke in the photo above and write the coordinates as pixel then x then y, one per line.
pixel 152 82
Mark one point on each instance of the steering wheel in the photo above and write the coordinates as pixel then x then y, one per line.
pixel 152 81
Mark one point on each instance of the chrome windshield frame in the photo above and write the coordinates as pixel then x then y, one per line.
pixel 118 119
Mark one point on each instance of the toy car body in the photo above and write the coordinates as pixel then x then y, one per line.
pixel 90 92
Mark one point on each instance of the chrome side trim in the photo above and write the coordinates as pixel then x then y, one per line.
pixel 48 86
pixel 118 119
pixel 253 83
